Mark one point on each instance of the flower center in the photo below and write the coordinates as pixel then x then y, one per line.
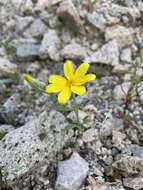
pixel 69 83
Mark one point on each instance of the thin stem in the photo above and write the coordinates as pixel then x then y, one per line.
pixel 76 110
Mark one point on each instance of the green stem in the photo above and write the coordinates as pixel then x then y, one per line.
pixel 76 110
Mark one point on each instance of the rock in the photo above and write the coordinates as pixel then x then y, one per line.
pixel 32 145
pixel 108 54
pixel 90 135
pixel 7 69
pixel 69 14
pixel 128 165
pixel 109 124
pixel 36 29
pixel 27 52
pixel 121 69
pixel 71 173
pixel 140 91
pixel 123 35
pixel 23 22
pixel 6 128
pixel 132 13
pixel 96 20
pixel 134 150
pixel 126 55
pixel 101 187
pixel 121 91
pixel 74 51
pixel 135 183
pixel 10 108
pixel 42 4
pixel 50 46
pixel 118 139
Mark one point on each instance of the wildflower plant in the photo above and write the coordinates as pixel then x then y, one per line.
pixel 65 86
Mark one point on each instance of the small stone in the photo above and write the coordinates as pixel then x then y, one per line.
pixel 128 165
pixel 7 69
pixel 126 55
pixel 135 183
pixel 74 51
pixel 42 4
pixel 90 135
pixel 10 108
pixel 71 173
pixel 6 128
pixel 27 52
pixel 140 90
pixel 69 14
pixel 33 145
pixel 23 22
pixel 121 91
pixel 96 20
pixel 118 139
pixel 123 35
pixel 36 29
pixel 108 54
pixel 110 124
pixel 50 46
pixel 121 69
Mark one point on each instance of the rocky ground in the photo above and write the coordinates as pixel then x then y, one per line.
pixel 38 148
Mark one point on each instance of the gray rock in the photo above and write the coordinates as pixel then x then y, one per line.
pixel 42 4
pixel 123 35
pixel 121 91
pixel 128 165
pixel 140 91
pixel 27 51
pixel 74 51
pixel 109 124
pixel 132 12
pixel 134 150
pixel 135 183
pixel 33 145
pixel 96 20
pixel 69 14
pixel 23 22
pixel 71 173
pixel 90 135
pixel 108 54
pixel 10 108
pixel 36 29
pixel 126 55
pixel 50 46
pixel 7 68
pixel 6 128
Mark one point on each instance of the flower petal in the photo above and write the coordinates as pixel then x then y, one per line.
pixel 81 71
pixel 52 88
pixel 86 78
pixel 57 79
pixel 64 95
pixel 69 69
pixel 79 90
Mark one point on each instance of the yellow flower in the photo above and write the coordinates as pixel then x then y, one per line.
pixel 72 82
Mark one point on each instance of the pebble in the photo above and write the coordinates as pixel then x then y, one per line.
pixel 71 173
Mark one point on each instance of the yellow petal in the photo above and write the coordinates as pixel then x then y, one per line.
pixel 57 79
pixel 52 88
pixel 81 71
pixel 28 78
pixel 79 90
pixel 86 78
pixel 64 95
pixel 69 69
